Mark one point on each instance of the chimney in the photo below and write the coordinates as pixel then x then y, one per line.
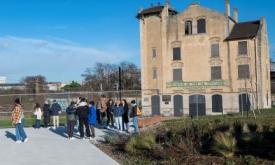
pixel 236 14
pixel 227 7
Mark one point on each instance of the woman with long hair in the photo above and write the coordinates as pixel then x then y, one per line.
pixel 38 115
pixel 17 119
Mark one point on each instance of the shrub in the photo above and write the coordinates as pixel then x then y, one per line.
pixel 252 127
pixel 145 141
pixel 224 144
pixel 237 128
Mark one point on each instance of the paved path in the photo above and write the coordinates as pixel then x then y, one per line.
pixel 49 147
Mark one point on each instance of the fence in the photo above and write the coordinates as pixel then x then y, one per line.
pixel 28 100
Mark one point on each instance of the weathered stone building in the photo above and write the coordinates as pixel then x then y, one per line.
pixel 202 62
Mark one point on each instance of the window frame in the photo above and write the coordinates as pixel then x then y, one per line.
pixel 219 77
pixel 246 75
pixel 175 57
pixel 155 73
pixel 213 55
pixel 154 53
pixel 240 51
pixel 174 74
pixel 203 30
pixel 188 27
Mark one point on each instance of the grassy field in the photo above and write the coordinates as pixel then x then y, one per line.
pixel 28 122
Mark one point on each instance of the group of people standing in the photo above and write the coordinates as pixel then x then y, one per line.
pixel 117 113
pixel 83 114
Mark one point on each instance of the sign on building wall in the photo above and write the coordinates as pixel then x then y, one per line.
pixel 197 84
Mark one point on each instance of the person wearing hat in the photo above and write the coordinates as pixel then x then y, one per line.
pixel 46 114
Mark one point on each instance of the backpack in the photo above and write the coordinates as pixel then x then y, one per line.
pixel 139 113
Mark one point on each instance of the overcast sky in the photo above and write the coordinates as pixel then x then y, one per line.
pixel 61 38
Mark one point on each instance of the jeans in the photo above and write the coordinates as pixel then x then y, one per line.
pixel 55 121
pixel 37 123
pixel 92 128
pixel 119 123
pixel 20 133
pixel 135 122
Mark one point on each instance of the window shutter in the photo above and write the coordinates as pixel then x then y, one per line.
pixel 216 73
pixel 243 71
pixel 242 46
pixel 177 74
pixel 215 50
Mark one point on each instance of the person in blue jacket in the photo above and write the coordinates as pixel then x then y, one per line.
pixel 92 117
pixel 55 112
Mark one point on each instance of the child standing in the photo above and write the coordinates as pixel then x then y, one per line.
pixel 92 118
pixel 38 115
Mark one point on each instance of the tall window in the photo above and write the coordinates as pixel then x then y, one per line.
pixel 176 53
pixel 243 71
pixel 188 27
pixel 216 73
pixel 201 26
pixel 215 50
pixel 242 46
pixel 155 73
pixel 154 52
pixel 177 74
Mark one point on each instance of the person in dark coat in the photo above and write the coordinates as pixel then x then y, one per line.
pixel 125 117
pixel 71 119
pixel 46 114
pixel 110 113
pixel 92 118
pixel 55 112
pixel 134 115
pixel 82 112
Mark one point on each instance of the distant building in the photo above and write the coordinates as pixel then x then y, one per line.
pixel 3 80
pixel 12 86
pixel 202 62
pixel 55 86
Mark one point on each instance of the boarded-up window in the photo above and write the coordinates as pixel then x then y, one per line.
pixel 216 73
pixel 215 50
pixel 155 73
pixel 177 53
pixel 177 74
pixel 242 48
pixel 154 53
pixel 243 71
pixel 188 27
pixel 201 26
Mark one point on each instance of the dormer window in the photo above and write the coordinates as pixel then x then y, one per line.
pixel 201 26
pixel 188 28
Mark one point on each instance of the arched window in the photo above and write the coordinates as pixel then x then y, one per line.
pixel 217 103
pixel 201 23
pixel 188 27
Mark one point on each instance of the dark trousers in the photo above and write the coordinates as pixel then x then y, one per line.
pixel 46 121
pixel 102 115
pixel 98 116
pixel 37 123
pixel 70 128
pixel 92 128
pixel 82 122
pixel 110 118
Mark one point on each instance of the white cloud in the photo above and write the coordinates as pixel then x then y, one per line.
pixel 56 58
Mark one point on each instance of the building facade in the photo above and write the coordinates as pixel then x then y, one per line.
pixel 3 80
pixel 202 62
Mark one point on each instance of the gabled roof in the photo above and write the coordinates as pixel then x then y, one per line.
pixel 244 30
pixel 155 10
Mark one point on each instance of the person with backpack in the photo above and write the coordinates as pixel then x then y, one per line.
pixel 125 117
pixel 55 112
pixel 71 119
pixel 17 117
pixel 134 115
pixel 46 114
pixel 92 117
pixel 110 113
pixel 82 112
pixel 38 116
pixel 118 112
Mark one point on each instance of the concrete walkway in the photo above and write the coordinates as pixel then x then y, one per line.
pixel 50 147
